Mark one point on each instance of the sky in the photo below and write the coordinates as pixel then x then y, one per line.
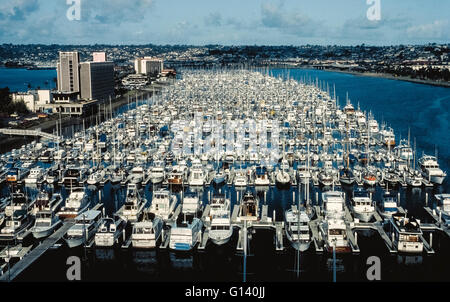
pixel 226 22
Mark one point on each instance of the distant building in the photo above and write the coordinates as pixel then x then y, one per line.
pixel 99 56
pixel 97 80
pixel 81 85
pixel 148 66
pixel 68 71
pixel 35 100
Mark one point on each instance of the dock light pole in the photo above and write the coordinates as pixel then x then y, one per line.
pixel 85 235
pixel 334 260
pixel 298 236
pixel 245 250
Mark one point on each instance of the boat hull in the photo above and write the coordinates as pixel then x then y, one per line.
pixel 40 232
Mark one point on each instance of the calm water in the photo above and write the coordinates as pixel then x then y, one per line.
pixel 17 79
pixel 422 109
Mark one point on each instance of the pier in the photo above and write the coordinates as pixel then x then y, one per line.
pixel 22 132
pixel 37 252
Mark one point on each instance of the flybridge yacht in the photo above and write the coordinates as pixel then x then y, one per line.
pixel 163 204
pixel 18 202
pixel 191 203
pixel 373 126
pixel 221 229
pixel 362 206
pixel 16 224
pixel 403 151
pixel 443 208
pixel 133 206
pixel 406 233
pixel 430 170
pixel 85 227
pixel 297 226
pixel 249 207
pixel 349 109
pixel 76 203
pixel 241 178
pixel 35 176
pixel 387 137
pixel 146 233
pixel 333 228
pixel 334 232
pixel 47 219
pixel 333 203
pixel 197 175
pixel 109 232
pixel 157 172
pixel 389 205
pixel 185 235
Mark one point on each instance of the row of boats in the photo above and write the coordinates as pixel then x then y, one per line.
pixel 238 127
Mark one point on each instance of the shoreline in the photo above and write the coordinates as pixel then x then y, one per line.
pixel 369 74
pixel 392 77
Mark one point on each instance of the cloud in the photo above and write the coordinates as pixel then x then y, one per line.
pixel 439 29
pixel 293 23
pixel 115 11
pixel 213 19
pixel 17 9
pixel 389 28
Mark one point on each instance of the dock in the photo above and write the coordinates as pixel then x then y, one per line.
pixel 37 252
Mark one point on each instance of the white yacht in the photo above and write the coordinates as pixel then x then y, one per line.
pixel 15 225
pixel 389 205
pixel 109 232
pixel 333 204
pixel 163 204
pixel 85 227
pixel 430 170
pixel 220 230
pixel 47 219
pixel 249 207
pixel 76 203
pixel 283 177
pixel 134 204
pixel 241 178
pixel 443 207
pixel 96 177
pixel 191 203
pixel 157 172
pixel 297 227
pixel 35 176
pixel 362 206
pixel 18 202
pixel 146 233
pixel 406 233
pixel 197 175
pixel 185 235
pixel 137 175
pixel 334 232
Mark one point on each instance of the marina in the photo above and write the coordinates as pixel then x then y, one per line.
pixel 199 164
